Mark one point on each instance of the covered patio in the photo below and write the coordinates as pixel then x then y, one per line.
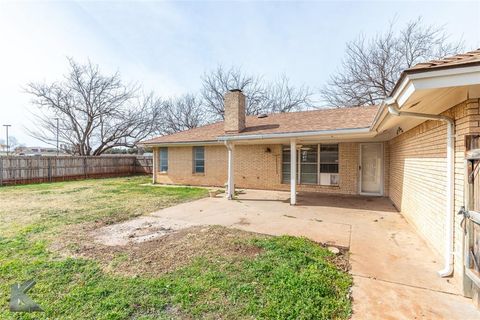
pixel 394 270
pixel 343 163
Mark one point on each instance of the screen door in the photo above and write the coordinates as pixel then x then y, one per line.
pixel 371 167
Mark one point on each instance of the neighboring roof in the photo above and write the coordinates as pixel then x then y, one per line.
pixel 458 60
pixel 289 122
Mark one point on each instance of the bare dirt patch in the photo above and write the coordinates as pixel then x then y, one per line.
pixel 162 254
pixel 341 260
pixel 137 230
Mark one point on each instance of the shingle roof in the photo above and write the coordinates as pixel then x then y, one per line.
pixel 458 60
pixel 290 122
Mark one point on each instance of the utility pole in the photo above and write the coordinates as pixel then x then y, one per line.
pixel 8 145
pixel 57 135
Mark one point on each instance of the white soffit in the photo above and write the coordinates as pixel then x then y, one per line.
pixel 436 79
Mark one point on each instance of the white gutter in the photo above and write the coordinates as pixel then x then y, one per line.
pixel 221 140
pixel 294 134
pixel 449 215
pixel 180 144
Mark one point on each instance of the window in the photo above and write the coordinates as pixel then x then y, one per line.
pixel 329 158
pixel 163 159
pixel 328 164
pixel 318 164
pixel 286 164
pixel 308 164
pixel 198 159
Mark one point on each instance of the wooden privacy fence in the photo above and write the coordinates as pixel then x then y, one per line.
pixel 26 169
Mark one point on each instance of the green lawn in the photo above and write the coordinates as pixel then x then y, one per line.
pixel 290 278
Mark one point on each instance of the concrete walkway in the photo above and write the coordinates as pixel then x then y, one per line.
pixel 394 270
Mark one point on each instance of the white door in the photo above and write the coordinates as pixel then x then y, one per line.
pixel 371 168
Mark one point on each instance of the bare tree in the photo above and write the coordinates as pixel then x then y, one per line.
pixel 372 66
pixel 281 96
pixel 182 113
pixel 95 112
pixel 220 81
pixel 262 97
pixel 12 143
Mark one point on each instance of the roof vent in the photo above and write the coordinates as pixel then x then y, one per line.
pixel 263 115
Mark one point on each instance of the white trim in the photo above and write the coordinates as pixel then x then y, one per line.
pixel 401 88
pixel 298 152
pixel 431 73
pixel 230 173
pixel 406 94
pixel 454 80
pixel 294 134
pixel 428 79
pixel 293 173
pixel 382 171
pixel 318 164
pixel 182 144
pixel 434 79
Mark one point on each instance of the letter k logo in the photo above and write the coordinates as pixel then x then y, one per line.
pixel 19 301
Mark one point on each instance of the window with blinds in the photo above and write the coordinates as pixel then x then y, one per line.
pixel 199 159
pixel 163 159
pixel 318 164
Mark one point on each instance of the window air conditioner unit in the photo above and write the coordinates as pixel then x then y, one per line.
pixel 329 179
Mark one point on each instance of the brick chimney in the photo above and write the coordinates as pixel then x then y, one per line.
pixel 234 111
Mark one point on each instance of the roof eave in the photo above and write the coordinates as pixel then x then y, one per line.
pixel 424 79
pixel 181 143
pixel 346 131
pixel 407 72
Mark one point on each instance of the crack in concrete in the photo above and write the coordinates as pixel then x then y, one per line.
pixel 405 285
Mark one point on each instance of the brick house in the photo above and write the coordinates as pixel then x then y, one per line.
pixel 411 148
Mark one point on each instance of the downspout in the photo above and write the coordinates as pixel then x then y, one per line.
pixel 449 215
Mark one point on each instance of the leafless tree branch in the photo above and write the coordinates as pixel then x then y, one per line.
pixel 95 112
pixel 183 113
pixel 261 96
pixel 371 67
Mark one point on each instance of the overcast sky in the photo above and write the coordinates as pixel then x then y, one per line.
pixel 166 46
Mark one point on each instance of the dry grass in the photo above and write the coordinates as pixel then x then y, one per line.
pixel 52 205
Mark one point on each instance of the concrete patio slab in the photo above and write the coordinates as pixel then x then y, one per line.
pixel 394 270
pixel 376 299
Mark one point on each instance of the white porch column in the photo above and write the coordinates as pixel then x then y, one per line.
pixel 293 172
pixel 231 181
pixel 154 165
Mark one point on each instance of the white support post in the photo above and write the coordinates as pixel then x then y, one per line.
pixel 293 172
pixel 231 180
pixel 154 165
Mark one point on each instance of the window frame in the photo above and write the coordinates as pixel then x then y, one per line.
pixel 301 163
pixel 318 165
pixel 195 160
pixel 165 150
pixel 336 162
pixel 287 180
